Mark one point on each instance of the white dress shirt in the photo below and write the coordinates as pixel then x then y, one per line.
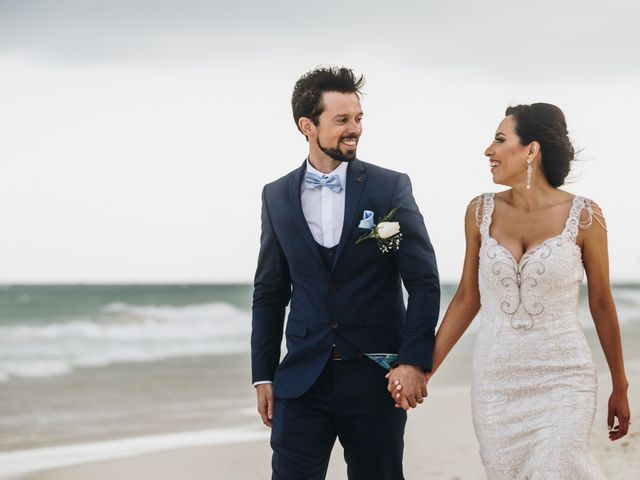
pixel 324 211
pixel 323 208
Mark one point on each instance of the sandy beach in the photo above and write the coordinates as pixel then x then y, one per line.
pixel 440 444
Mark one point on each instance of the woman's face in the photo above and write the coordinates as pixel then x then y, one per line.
pixel 507 157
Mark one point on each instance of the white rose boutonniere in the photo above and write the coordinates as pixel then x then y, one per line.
pixel 388 229
pixel 386 233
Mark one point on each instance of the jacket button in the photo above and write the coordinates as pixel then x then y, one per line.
pixel 332 288
pixel 334 325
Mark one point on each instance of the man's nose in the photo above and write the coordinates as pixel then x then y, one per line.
pixel 355 127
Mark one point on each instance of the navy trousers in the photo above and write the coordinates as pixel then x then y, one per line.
pixel 349 401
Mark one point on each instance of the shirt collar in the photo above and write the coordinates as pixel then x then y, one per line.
pixel 340 170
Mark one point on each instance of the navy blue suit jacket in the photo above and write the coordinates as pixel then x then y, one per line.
pixel 358 304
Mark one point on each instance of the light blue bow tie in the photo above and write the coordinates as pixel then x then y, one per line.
pixel 315 181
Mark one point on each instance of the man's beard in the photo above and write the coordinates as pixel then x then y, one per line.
pixel 336 154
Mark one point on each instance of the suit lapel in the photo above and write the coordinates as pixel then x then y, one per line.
pixel 356 179
pixel 298 214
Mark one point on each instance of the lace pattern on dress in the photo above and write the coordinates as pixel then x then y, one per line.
pixel 486 201
pixel 520 279
pixel 531 353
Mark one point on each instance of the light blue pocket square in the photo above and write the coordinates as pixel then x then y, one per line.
pixel 367 220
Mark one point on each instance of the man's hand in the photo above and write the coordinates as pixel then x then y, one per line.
pixel 264 392
pixel 407 386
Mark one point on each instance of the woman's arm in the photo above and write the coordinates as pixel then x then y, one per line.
pixel 466 302
pixel 464 305
pixel 603 311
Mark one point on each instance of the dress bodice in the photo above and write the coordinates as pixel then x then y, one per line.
pixel 546 281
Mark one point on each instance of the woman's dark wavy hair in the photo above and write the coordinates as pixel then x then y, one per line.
pixel 306 100
pixel 545 124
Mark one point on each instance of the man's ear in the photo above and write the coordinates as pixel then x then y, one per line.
pixel 306 126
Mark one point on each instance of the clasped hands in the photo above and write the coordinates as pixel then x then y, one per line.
pixel 407 386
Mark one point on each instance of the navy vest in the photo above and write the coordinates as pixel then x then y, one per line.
pixel 328 255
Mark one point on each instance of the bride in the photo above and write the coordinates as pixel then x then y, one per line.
pixel 534 381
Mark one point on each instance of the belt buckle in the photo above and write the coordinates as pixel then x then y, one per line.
pixel 335 354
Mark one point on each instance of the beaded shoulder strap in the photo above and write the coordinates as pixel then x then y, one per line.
pixel 576 220
pixel 573 220
pixel 484 218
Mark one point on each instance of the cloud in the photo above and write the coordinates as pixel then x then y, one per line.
pixel 502 38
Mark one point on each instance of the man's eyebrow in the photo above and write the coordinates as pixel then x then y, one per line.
pixel 337 115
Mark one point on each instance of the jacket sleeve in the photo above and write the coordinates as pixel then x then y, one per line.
pixel 417 264
pixel 271 294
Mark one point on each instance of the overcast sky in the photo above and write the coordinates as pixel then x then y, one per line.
pixel 135 136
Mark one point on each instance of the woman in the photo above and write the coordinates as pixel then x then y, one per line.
pixel 534 381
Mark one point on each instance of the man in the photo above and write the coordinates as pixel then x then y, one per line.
pixel 346 298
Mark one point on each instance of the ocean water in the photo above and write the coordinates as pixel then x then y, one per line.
pixel 48 331
pixel 81 364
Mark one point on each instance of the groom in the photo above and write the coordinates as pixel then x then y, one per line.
pixel 346 300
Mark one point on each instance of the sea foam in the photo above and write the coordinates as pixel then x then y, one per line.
pixel 122 333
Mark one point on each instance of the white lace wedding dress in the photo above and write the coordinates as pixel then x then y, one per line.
pixel 534 382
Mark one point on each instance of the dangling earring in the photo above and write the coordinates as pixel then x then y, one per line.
pixel 529 173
